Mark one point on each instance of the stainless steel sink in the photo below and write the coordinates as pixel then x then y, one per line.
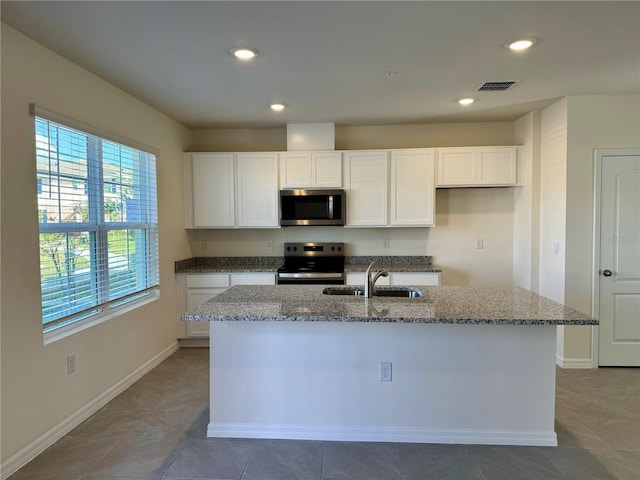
pixel 344 291
pixel 409 292
pixel 402 292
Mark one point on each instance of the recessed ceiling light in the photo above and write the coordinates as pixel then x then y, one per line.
pixel 466 101
pixel 277 107
pixel 244 53
pixel 521 44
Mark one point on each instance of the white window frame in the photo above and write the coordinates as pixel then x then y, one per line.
pixel 105 309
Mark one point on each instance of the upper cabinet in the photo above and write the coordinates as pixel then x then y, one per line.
pixel 413 189
pixel 214 190
pixel 311 170
pixel 384 188
pixel 390 188
pixel 257 200
pixel 232 190
pixel 476 166
pixel 367 187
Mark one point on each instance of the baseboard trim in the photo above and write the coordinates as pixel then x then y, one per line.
pixel 194 342
pixel 574 362
pixel 35 448
pixel 383 434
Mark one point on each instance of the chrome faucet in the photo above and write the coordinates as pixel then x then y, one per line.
pixel 369 283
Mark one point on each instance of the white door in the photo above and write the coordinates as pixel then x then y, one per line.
pixel 619 275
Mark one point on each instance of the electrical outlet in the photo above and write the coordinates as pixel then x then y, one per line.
pixel 385 243
pixel 556 247
pixel 269 244
pixel 479 243
pixel 71 363
pixel 204 245
pixel 385 371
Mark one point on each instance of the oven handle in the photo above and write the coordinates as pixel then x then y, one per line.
pixel 311 275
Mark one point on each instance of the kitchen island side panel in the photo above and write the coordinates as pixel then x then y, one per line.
pixel 482 384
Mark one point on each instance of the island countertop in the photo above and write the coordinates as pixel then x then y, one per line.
pixel 440 304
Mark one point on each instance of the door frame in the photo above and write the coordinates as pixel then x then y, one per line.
pixel 599 154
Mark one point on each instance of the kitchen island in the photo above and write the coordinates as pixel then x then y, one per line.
pixel 468 365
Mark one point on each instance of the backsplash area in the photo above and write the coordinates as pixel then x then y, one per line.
pixel 270 242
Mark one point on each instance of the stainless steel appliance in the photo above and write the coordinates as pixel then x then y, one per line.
pixel 312 264
pixel 312 207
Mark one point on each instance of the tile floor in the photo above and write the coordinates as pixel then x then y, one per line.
pixel 157 430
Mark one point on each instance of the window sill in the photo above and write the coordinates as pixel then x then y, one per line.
pixel 107 314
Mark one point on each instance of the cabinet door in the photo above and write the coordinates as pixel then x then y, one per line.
pixel 253 279
pixel 257 189
pixel 496 166
pixel 195 298
pixel 367 195
pixel 456 166
pixel 327 170
pixel 213 190
pixel 295 170
pixel 412 188
pixel 415 278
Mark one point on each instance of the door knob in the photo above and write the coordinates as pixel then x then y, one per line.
pixel 607 273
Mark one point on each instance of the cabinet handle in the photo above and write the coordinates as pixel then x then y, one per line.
pixel 607 273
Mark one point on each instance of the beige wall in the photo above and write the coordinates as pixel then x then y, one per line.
pixel 426 135
pixel 358 137
pixel 37 393
pixel 462 215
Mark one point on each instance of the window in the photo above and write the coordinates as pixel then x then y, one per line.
pixel 97 211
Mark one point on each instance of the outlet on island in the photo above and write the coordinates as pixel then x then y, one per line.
pixel 385 371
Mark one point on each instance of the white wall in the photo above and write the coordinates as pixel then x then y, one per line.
pixel 553 181
pixel 601 121
pixel 571 129
pixel 37 393
pixel 526 211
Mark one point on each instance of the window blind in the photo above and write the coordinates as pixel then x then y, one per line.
pixel 97 212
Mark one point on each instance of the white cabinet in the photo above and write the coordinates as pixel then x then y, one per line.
pixel 214 190
pixel 196 288
pixel 232 190
pixel 388 189
pixel 257 200
pixel 200 288
pixel 367 186
pixel 311 170
pixel 476 166
pixel 408 279
pixel 412 195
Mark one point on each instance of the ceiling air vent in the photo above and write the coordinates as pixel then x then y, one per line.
pixel 496 86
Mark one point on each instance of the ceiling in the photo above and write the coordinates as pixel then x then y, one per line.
pixel 328 61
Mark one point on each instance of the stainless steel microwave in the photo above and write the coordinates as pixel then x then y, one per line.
pixel 312 207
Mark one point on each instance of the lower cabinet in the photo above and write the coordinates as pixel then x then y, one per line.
pixel 408 279
pixel 194 289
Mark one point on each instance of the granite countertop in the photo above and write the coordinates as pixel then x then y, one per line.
pixel 442 304
pixel 271 264
pixel 228 264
